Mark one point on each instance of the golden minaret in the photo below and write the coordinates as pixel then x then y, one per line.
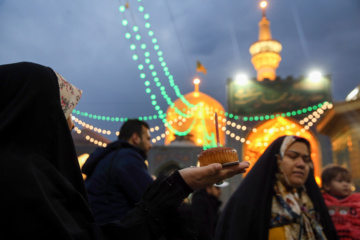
pixel 266 51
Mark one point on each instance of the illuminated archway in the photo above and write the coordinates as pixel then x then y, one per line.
pixel 266 132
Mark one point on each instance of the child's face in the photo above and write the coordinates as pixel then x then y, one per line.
pixel 339 187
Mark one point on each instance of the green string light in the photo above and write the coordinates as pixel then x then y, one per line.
pixel 160 53
pixel 151 66
pixel 285 114
pixel 161 115
pixel 245 118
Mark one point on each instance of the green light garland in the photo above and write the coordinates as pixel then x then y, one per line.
pixel 159 53
pixel 245 118
pixel 286 114
pixel 161 115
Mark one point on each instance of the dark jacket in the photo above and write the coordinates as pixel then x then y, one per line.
pixel 205 212
pixel 156 216
pixel 117 178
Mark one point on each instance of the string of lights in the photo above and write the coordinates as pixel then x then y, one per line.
pixel 135 36
pixel 307 122
pixel 232 116
pixel 154 74
pixel 147 60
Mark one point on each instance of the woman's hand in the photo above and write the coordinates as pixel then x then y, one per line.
pixel 201 177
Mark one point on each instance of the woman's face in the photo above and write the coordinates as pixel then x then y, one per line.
pixel 296 164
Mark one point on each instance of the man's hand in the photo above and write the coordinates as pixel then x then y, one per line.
pixel 201 177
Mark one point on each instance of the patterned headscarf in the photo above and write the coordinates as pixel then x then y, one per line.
pixel 248 211
pixel 69 95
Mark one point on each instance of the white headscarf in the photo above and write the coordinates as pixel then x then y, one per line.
pixel 288 140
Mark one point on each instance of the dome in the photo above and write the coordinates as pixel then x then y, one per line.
pixel 193 115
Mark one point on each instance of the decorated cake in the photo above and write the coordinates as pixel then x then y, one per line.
pixel 222 155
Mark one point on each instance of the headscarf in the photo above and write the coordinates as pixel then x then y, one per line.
pixel 248 212
pixel 42 191
pixel 69 95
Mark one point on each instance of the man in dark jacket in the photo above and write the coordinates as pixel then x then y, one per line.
pixel 117 175
pixel 205 210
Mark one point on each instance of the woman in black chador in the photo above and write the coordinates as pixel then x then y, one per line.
pixel 42 190
pixel 278 199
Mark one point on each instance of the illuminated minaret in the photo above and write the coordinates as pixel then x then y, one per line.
pixel 265 52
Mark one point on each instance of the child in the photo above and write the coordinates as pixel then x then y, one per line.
pixel 344 206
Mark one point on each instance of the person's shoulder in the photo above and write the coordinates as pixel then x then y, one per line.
pixel 128 154
pixel 328 198
pixel 129 158
pixel 123 148
pixel 354 197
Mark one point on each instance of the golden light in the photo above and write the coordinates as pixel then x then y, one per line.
pixel 201 119
pixel 256 140
pixel 263 4
pixel 318 180
pixel 196 81
pixel 82 159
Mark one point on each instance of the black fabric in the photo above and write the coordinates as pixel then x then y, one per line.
pixel 156 215
pixel 247 213
pixel 42 191
pixel 205 209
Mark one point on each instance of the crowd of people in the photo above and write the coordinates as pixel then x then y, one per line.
pixel 45 197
